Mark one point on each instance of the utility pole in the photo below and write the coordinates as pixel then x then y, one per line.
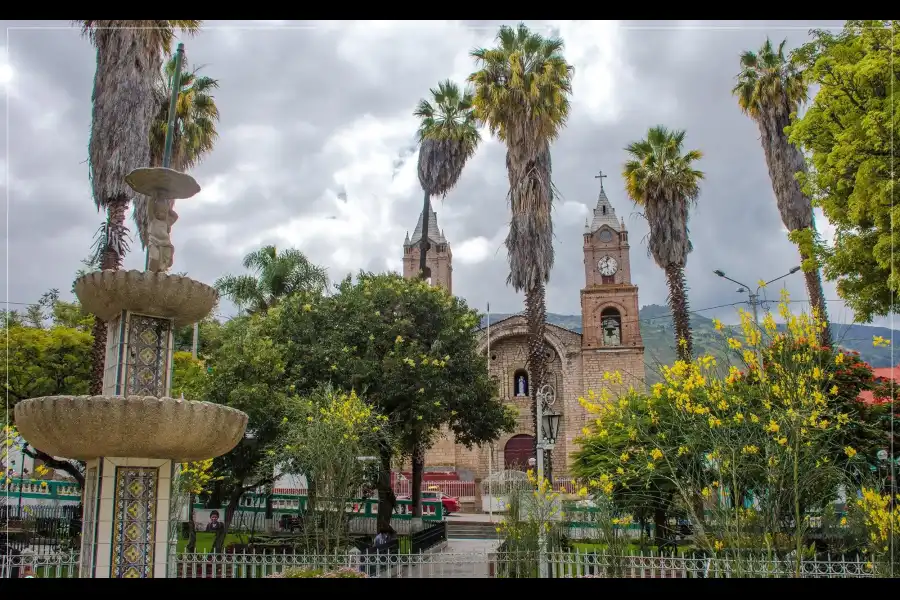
pixel 754 301
pixel 196 341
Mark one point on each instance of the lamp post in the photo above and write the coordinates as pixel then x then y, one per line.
pixel 754 299
pixel 549 428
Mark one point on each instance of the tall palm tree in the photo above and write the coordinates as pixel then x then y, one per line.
pixel 661 179
pixel 448 137
pixel 129 55
pixel 769 89
pixel 522 90
pixel 275 276
pixel 195 134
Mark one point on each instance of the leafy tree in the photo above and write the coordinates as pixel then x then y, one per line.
pixel 769 89
pixel 208 336
pixel 522 90
pixel 129 55
pixel 276 276
pixel 848 132
pixel 188 377
pixel 46 362
pixel 11 318
pixel 193 479
pixel 409 349
pixel 660 177
pixel 195 135
pixel 248 373
pixel 326 433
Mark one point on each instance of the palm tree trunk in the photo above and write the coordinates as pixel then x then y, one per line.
pixel 536 319
pixel 817 299
pixel 110 260
pixel 678 304
pixel 418 458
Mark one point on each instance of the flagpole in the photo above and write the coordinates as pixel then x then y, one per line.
pixel 491 448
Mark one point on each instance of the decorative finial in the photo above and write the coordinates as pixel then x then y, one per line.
pixel 601 177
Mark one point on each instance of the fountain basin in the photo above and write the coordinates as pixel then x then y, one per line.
pixel 87 427
pixel 105 294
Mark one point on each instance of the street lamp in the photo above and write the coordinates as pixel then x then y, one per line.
pixel 548 420
pixel 550 428
pixel 549 423
pixel 754 298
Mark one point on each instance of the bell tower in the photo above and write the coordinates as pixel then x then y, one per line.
pixel 438 262
pixel 611 333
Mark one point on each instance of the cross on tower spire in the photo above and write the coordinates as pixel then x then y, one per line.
pixel 601 177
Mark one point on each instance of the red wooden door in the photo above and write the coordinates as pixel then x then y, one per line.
pixel 517 452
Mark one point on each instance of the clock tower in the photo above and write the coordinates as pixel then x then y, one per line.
pixel 611 334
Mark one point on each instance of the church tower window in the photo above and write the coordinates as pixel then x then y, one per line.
pixel 611 326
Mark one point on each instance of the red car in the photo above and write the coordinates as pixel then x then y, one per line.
pixel 451 505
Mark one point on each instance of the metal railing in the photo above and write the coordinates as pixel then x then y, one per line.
pixel 475 564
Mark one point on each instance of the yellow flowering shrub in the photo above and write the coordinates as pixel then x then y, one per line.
pixel 323 436
pixel 882 524
pixel 740 447
pixel 534 517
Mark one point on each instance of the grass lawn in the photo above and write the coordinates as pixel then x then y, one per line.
pixel 632 548
pixel 205 541
pixel 54 572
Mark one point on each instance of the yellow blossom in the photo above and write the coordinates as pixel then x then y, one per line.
pixel 718 324
pixel 656 454
pixel 849 451
pixel 718 545
pixel 879 341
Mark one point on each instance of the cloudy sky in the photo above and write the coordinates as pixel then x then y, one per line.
pixel 316 151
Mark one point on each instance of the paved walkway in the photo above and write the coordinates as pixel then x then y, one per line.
pixel 458 559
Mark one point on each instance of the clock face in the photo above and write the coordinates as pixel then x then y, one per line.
pixel 606 236
pixel 608 266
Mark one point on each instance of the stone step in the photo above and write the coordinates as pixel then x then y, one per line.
pixel 473 530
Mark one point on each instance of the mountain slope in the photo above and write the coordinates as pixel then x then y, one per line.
pixel 659 343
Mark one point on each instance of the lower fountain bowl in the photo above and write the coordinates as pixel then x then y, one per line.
pixel 87 427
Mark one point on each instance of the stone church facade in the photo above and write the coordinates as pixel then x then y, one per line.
pixel 610 341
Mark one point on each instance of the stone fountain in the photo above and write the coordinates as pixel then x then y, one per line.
pixel 134 436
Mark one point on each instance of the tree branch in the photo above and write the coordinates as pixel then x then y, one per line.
pixel 261 482
pixel 63 465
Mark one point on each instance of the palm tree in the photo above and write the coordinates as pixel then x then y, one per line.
pixel 522 93
pixel 448 137
pixel 129 55
pixel 276 276
pixel 769 89
pixel 661 179
pixel 195 132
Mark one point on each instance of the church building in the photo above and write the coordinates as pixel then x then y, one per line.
pixel 610 341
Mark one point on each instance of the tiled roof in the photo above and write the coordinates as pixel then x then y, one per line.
pixel 435 235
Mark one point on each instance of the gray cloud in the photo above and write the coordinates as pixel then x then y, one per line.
pixel 315 152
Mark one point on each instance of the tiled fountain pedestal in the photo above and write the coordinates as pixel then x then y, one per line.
pixel 134 436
